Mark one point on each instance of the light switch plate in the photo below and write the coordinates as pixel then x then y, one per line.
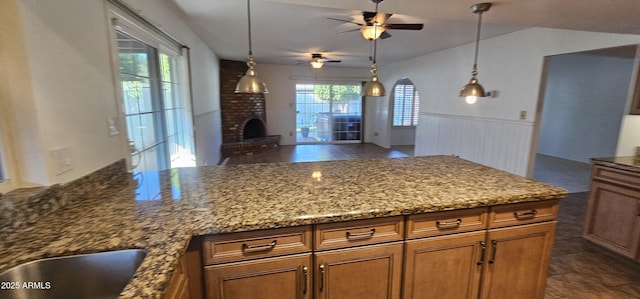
pixel 112 126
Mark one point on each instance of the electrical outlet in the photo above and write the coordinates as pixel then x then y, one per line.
pixel 62 159
pixel 523 115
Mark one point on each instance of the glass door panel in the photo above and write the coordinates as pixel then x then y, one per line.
pixel 328 113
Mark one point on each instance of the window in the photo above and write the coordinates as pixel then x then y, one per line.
pixel 155 99
pixel 406 104
pixel 328 112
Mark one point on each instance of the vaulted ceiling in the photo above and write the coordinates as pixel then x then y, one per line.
pixel 288 31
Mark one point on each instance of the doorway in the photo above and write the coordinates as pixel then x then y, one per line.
pixel 328 113
pixel 579 117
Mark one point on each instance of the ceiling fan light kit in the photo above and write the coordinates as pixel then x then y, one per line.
pixel 473 90
pixel 371 32
pixel 250 83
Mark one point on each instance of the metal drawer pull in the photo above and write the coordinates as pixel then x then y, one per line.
pixel 321 278
pixel 451 224
pixel 484 249
pixel 305 271
pixel 528 215
pixel 259 247
pixel 494 246
pixel 361 235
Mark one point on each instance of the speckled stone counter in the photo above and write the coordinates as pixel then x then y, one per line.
pixel 629 163
pixel 170 207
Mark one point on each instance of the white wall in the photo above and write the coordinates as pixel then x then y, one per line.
pixel 281 99
pixel 60 88
pixel 584 100
pixel 511 64
pixel 629 136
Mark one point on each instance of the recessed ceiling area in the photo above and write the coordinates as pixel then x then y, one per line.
pixel 287 31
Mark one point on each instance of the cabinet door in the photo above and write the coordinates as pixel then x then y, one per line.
pixel 286 277
pixel 367 272
pixel 517 261
pixel 444 267
pixel 613 218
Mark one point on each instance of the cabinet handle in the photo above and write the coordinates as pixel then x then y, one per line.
pixel 527 215
pixel 484 249
pixel 305 272
pixel 361 235
pixel 259 247
pixel 494 246
pixel 451 224
pixel 321 278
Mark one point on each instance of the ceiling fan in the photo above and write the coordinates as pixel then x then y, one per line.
pixel 317 61
pixel 374 26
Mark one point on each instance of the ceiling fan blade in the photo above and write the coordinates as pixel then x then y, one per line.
pixel 352 30
pixel 385 35
pixel 333 61
pixel 345 21
pixel 404 26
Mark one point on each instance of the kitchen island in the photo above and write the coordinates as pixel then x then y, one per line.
pixel 203 201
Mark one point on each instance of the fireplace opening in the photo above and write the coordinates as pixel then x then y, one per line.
pixel 254 128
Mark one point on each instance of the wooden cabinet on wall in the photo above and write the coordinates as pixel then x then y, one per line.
pixel 503 252
pixel 613 212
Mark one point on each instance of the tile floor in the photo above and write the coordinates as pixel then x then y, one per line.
pixel 578 269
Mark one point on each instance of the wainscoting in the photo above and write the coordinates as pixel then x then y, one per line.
pixel 502 144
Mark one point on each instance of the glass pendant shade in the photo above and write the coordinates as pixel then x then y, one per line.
pixel 371 32
pixel 317 63
pixel 373 88
pixel 250 83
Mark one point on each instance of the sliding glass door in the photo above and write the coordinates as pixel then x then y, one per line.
pixel 328 113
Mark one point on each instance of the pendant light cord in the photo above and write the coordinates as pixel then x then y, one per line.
pixel 249 27
pixel 475 60
pixel 375 29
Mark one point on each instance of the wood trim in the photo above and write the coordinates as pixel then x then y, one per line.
pixel 635 103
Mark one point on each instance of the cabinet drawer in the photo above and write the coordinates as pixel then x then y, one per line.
pixel 617 176
pixel 441 223
pixel 256 244
pixel 521 213
pixel 359 232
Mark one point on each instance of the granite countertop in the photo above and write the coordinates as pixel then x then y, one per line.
pixel 629 163
pixel 166 209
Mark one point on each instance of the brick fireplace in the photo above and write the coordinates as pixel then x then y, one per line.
pixel 244 117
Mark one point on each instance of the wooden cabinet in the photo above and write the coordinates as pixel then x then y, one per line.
pixel 262 264
pixel 285 277
pixel 505 257
pixel 613 212
pixel 445 266
pixel 368 272
pixel 179 285
pixel 365 261
pixel 496 252
pixel 517 260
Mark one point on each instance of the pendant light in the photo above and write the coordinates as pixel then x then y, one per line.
pixel 373 87
pixel 472 90
pixel 250 83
